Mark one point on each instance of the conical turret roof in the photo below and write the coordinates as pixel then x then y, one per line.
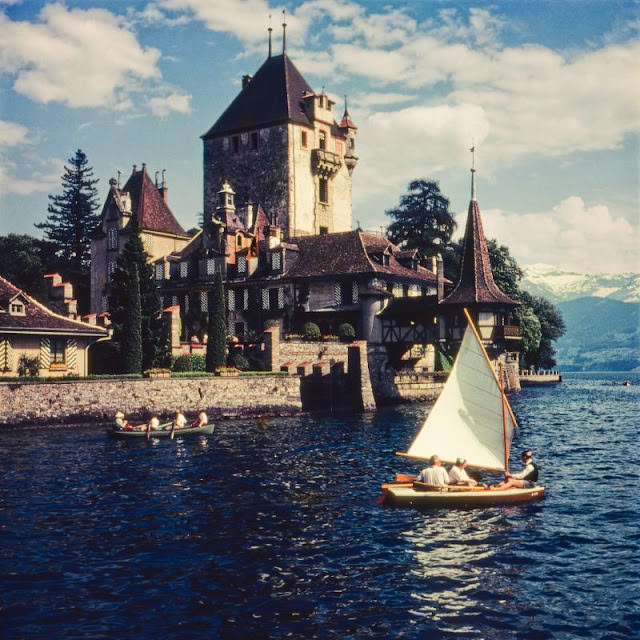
pixel 475 283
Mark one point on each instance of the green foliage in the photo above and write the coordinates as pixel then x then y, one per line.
pixel 346 331
pixel 507 274
pixel 217 327
pixel 531 332
pixel 422 220
pixel 182 363
pixel 28 366
pixel 132 330
pixel 189 362
pixel 24 261
pixel 135 260
pixel 269 324
pixel 311 331
pixel 238 361
pixel 73 214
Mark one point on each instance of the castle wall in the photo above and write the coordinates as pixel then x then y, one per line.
pixel 89 400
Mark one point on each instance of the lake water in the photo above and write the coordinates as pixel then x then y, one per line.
pixel 270 529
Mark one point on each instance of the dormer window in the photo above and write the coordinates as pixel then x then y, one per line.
pixel 239 241
pixel 17 309
pixel 276 261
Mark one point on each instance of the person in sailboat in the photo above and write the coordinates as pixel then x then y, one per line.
pixel 435 473
pixel 459 475
pixel 526 479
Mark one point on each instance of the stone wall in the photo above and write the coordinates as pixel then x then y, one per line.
pixel 90 400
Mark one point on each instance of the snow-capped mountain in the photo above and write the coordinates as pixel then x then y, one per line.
pixel 558 285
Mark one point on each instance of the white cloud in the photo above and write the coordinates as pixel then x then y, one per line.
pixel 75 57
pixel 174 102
pixel 12 134
pixel 240 17
pixel 573 235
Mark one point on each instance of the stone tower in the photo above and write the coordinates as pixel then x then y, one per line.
pixel 279 145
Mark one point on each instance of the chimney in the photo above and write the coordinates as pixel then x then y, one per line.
pixel 246 80
pixel 163 189
pixel 440 277
pixel 250 215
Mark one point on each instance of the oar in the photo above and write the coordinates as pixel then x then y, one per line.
pixel 148 430
pixel 173 430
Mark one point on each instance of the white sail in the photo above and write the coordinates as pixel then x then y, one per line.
pixel 466 420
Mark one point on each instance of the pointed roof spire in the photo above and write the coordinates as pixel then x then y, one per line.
pixel 284 31
pixel 270 30
pixel 473 172
pixel 346 118
pixel 475 282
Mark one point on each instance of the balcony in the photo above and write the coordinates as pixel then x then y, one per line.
pixel 325 163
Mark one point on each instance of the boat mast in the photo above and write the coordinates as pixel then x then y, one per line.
pixel 504 422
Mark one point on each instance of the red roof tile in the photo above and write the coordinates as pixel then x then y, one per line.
pixel 148 204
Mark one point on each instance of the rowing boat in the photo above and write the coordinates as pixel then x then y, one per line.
pixel 161 433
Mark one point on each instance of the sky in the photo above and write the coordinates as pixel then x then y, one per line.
pixel 546 91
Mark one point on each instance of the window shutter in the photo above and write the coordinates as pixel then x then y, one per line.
pixel 204 301
pixel 281 298
pixel 71 354
pixel 45 353
pixel 356 293
pixel 6 359
pixel 231 300
pixel 337 294
pixel 245 301
pixel 265 298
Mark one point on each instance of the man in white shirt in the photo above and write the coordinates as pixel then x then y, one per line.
pixel 434 474
pixel 458 474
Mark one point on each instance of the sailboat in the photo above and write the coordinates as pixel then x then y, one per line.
pixel 471 419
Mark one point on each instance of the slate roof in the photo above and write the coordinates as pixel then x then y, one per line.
pixel 38 318
pixel 273 96
pixel 350 253
pixel 475 283
pixel 148 204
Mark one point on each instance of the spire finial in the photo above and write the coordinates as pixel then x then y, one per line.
pixel 473 172
pixel 270 30
pixel 284 31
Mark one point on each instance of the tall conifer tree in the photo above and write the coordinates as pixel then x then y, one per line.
pixel 134 262
pixel 217 327
pixel 73 215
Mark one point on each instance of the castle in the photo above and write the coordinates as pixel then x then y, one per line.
pixel 277 224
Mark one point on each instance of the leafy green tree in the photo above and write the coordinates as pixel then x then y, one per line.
pixel 540 322
pixel 133 264
pixel 25 260
pixel 552 327
pixel 507 274
pixel 217 327
pixel 422 221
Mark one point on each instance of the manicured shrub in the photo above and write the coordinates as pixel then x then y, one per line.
pixel 182 363
pixel 238 361
pixel 198 362
pixel 346 332
pixel 311 331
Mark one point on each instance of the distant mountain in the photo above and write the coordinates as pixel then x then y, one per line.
pixel 602 335
pixel 558 285
pixel 601 313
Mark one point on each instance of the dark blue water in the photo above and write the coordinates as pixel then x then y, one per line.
pixel 270 529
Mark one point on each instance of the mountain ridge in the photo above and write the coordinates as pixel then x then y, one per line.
pixel 561 285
